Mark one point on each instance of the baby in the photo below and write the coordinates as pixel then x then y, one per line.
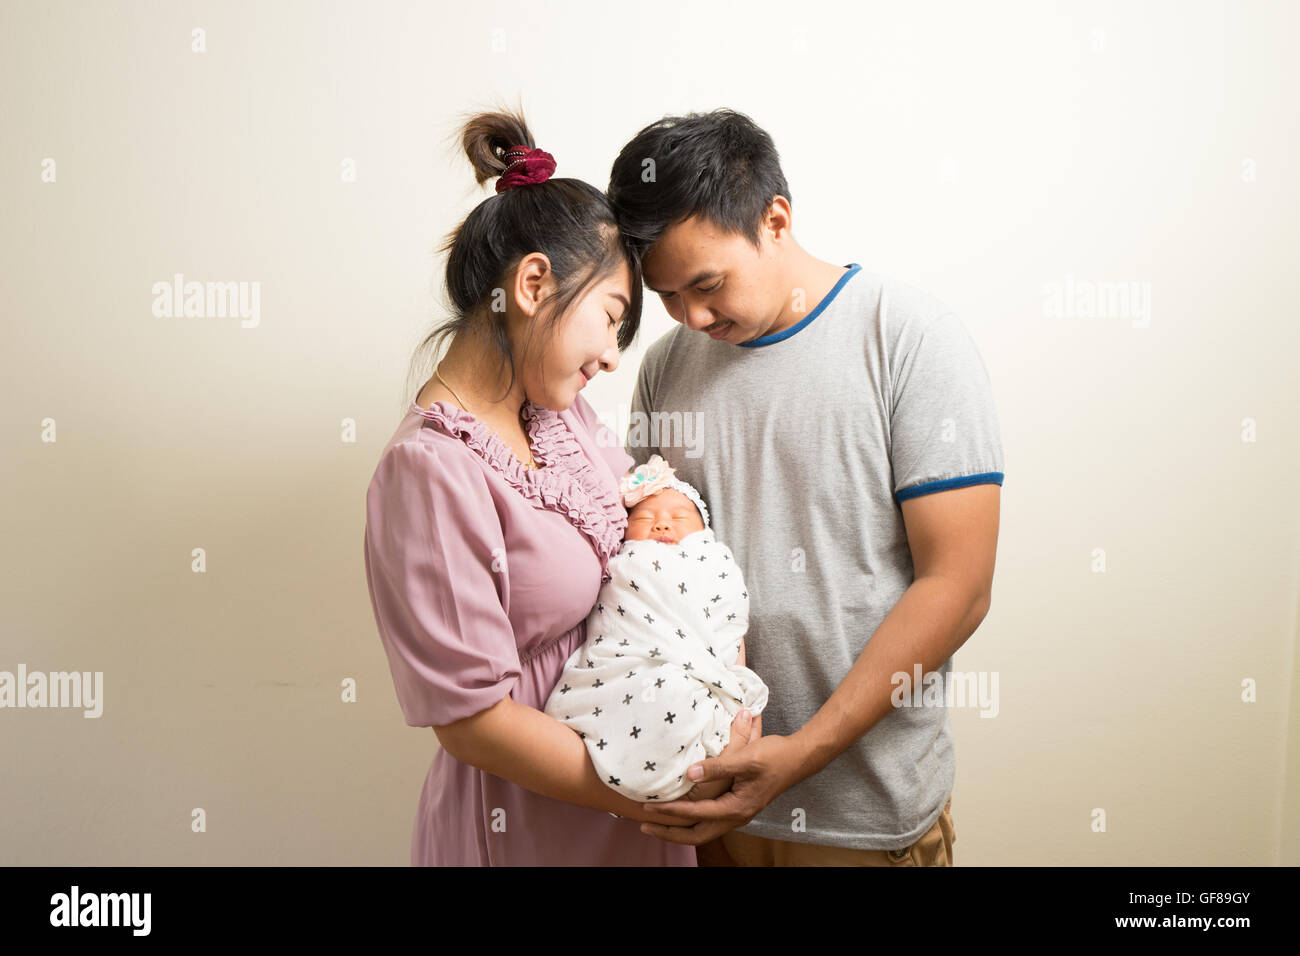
pixel 660 678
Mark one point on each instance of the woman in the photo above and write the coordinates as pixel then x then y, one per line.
pixel 491 517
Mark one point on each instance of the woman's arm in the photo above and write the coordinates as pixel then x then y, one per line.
pixel 535 751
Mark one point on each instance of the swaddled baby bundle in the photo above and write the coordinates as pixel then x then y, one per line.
pixel 655 686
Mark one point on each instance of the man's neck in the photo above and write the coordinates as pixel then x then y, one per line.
pixel 814 279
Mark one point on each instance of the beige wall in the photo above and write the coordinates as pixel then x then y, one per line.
pixel 982 152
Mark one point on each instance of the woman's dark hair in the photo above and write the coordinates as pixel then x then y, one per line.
pixel 567 220
pixel 719 165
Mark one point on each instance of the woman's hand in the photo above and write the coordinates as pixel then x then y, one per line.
pixel 743 730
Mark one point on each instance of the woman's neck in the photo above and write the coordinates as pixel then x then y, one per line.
pixel 470 368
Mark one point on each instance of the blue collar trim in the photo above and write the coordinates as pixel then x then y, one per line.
pixel 853 268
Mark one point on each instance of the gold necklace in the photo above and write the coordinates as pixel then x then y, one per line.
pixel 528 464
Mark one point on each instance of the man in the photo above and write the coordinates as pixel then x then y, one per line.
pixel 842 429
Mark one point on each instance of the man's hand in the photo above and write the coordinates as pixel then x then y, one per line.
pixel 761 769
pixel 744 730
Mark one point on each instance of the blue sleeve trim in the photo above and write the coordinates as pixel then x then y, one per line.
pixel 930 487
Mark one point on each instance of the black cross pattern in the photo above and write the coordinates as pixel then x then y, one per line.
pixel 681 588
pixel 620 609
pixel 655 652
pixel 601 744
pixel 635 586
pixel 636 732
pixel 596 712
pixel 648 618
pixel 669 718
pixel 649 765
pixel 613 780
pixel 656 565
pixel 598 682
pixel 565 689
pixel 627 699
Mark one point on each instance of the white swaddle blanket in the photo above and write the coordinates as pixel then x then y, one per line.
pixel 655 686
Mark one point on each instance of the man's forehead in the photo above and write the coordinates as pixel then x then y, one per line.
pixel 686 252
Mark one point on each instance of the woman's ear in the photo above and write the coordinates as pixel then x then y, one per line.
pixel 534 281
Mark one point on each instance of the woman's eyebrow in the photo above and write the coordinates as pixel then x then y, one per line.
pixel 626 305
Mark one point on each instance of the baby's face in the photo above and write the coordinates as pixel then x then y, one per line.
pixel 666 516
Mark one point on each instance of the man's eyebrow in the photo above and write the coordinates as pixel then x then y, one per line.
pixel 706 274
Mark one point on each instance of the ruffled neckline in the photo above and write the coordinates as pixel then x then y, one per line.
pixel 567 483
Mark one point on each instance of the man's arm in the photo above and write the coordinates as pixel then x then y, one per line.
pixel 953 537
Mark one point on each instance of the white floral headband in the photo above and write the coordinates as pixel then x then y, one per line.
pixel 654 476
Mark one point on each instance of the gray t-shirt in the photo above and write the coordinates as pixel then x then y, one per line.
pixel 802 444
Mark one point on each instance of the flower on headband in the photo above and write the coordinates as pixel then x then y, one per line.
pixel 647 479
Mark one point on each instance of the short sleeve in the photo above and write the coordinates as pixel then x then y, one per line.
pixel 607 443
pixel 944 430
pixel 433 547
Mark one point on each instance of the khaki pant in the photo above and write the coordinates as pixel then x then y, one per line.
pixel 734 848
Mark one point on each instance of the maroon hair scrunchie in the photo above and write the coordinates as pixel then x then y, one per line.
pixel 527 167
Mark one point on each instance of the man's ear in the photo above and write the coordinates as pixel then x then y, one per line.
pixel 780 219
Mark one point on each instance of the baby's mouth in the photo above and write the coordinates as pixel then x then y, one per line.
pixel 664 538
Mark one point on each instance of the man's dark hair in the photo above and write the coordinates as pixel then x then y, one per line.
pixel 720 166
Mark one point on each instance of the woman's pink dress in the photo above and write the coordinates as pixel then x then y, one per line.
pixel 481 575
